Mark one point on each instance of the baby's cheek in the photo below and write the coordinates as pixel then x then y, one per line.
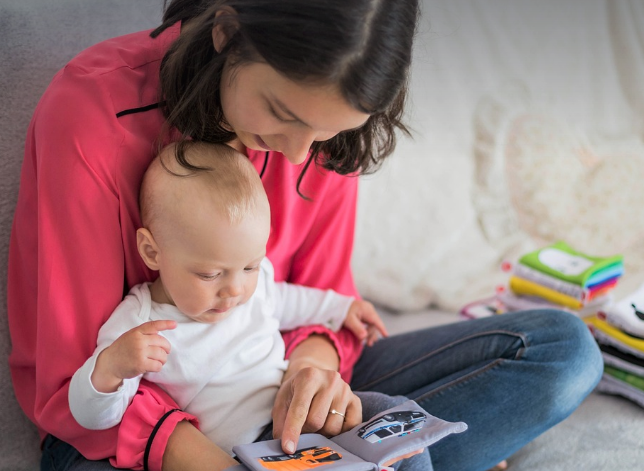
pixel 193 307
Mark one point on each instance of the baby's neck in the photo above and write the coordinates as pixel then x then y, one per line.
pixel 158 294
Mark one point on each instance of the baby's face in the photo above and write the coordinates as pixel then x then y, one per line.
pixel 211 266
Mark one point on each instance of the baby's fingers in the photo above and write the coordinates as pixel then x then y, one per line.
pixel 372 336
pixel 155 359
pixel 159 342
pixel 154 327
pixel 151 336
pixel 355 325
pixel 374 321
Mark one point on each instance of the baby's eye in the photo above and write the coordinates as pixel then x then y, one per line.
pixel 208 277
pixel 251 269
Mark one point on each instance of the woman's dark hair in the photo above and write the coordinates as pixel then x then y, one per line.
pixel 363 46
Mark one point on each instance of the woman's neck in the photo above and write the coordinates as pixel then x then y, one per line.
pixel 237 145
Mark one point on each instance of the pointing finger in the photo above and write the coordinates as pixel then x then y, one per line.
pixel 153 327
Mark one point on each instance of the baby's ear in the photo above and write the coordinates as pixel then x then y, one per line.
pixel 148 248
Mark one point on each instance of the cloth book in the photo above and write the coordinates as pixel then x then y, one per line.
pixel 564 287
pixel 390 434
pixel 626 376
pixel 622 383
pixel 571 290
pixel 601 289
pixel 525 287
pixel 606 334
pixel 604 339
pixel 622 360
pixel 522 303
pixel 483 308
pixel 611 385
pixel 510 302
pixel 564 263
pixel 611 271
pixel 627 314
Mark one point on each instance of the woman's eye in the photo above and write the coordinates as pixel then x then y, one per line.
pixel 278 117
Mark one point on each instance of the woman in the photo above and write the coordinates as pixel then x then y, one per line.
pixel 310 91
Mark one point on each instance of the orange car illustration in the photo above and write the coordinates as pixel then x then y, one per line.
pixel 305 458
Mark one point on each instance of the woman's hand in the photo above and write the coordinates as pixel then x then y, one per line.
pixel 304 404
pixel 310 390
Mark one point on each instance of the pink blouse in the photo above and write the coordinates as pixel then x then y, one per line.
pixel 73 246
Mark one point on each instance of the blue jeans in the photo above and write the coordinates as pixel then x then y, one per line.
pixel 509 377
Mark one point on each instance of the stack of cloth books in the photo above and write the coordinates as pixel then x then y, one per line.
pixel 556 276
pixel 619 331
pixel 560 276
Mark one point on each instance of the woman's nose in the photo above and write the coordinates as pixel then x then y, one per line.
pixel 297 145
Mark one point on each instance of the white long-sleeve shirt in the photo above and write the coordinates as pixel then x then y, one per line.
pixel 227 374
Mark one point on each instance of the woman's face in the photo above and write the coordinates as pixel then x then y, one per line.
pixel 268 111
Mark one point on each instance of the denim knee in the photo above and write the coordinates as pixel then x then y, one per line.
pixel 574 360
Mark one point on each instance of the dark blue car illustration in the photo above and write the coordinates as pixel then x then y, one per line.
pixel 394 424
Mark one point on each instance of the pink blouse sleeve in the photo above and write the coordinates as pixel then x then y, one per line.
pixel 66 274
pixel 146 427
pixel 324 261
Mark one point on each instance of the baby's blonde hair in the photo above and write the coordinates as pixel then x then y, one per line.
pixel 227 180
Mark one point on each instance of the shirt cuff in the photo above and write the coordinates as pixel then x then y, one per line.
pixel 153 457
pixel 146 427
pixel 93 409
pixel 346 345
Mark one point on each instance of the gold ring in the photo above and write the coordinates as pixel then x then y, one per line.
pixel 335 412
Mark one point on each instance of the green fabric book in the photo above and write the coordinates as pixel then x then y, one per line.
pixel 625 376
pixel 563 262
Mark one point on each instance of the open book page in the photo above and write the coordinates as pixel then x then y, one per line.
pixel 396 432
pixel 313 451
pixel 388 435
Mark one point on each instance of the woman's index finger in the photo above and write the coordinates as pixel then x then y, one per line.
pixel 296 415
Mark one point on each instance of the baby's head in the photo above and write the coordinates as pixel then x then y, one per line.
pixel 204 231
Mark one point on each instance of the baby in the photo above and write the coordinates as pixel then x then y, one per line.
pixel 221 356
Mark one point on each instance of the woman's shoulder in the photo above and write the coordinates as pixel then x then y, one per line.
pixel 109 77
pixel 103 104
pixel 131 51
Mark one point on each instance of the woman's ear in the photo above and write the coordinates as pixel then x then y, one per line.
pixel 223 29
pixel 148 248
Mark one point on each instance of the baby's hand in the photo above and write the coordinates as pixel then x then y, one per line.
pixel 139 350
pixel 365 323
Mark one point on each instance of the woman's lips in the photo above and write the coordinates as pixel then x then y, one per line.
pixel 261 143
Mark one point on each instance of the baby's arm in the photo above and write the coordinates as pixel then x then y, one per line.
pixel 297 305
pixel 101 390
